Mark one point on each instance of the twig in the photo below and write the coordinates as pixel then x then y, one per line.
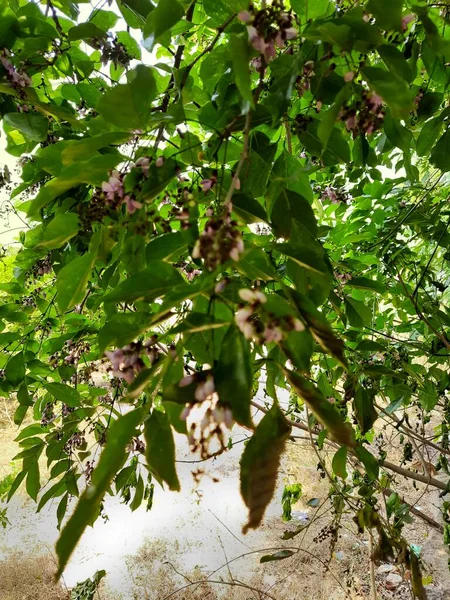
pixel 415 511
pixel 287 127
pixel 215 582
pixel 244 156
pixel 373 583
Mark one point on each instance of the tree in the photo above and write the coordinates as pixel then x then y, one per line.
pixel 217 190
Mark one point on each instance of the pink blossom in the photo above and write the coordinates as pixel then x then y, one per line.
pixel 242 316
pixel 252 296
pixel 319 105
pixel 279 41
pixel 256 40
pixel 192 274
pixel 273 334
pixel 116 357
pixel 290 33
pixel 351 123
pixel 270 52
pixel 220 286
pixel 234 254
pixel 204 389
pixel 132 204
pixel 248 330
pixel 298 325
pixel 375 101
pixel 143 163
pixel 185 413
pixel 244 16
pixel 406 20
pixel 237 184
pixel 113 185
pixel 206 184
pixel 196 252
pixel 349 76
pixel 186 381
pixel 160 161
pixel 228 418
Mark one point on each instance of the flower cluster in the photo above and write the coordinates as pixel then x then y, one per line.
pixel 220 241
pixel 260 325
pixel 17 79
pixel 77 441
pixel 74 351
pixel 114 51
pixel 127 362
pixel 335 195
pixel 213 416
pixel 115 195
pixel 366 116
pixel 269 29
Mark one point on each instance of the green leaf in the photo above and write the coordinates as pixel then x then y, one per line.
pixel 365 412
pixel 93 171
pixel 260 462
pixel 323 410
pixel 121 329
pixel 280 555
pixel 249 209
pixel 233 375
pixel 34 126
pixel 428 136
pixel 87 509
pixel 160 449
pixel 288 172
pixel 85 31
pixel 394 90
pixel 369 461
pixel 304 256
pixel 151 283
pixel 161 19
pixel 339 463
pixel 173 411
pixel 33 482
pixel 158 179
pixel 364 283
pixel 63 393
pixel 326 125
pixel 396 62
pixel 167 245
pixel 72 281
pixel 388 13
pixel 134 99
pixel 15 369
pixel 358 314
pixel 60 230
pixel 440 154
pixel 24 401
pixel 240 56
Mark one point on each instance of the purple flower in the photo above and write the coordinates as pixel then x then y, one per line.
pixel 406 21
pixel 244 16
pixel 206 184
pixel 113 185
pixel 132 204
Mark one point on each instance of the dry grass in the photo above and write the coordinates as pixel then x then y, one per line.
pixel 30 578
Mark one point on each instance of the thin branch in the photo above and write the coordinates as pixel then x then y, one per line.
pixel 415 511
pixel 373 583
pixel 244 157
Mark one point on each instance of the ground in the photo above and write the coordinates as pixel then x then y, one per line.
pixel 197 534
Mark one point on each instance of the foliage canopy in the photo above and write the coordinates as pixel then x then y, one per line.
pixel 220 194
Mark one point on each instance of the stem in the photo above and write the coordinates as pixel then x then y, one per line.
pixel 373 583
pixel 244 156
pixel 287 126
